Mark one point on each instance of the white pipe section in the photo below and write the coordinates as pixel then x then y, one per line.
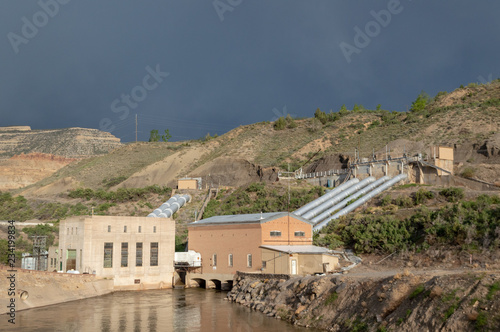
pixel 340 205
pixel 337 198
pixel 361 201
pixel 167 209
pixel 325 197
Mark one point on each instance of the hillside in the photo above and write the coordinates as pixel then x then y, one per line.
pixel 466 119
pixel 67 142
pixel 28 156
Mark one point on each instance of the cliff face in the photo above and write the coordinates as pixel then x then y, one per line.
pixel 68 142
pixel 25 169
pixel 404 302
pixel 28 156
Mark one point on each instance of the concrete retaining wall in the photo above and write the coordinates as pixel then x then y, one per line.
pixel 37 288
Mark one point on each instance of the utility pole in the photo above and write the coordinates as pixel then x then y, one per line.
pixel 288 207
pixel 136 127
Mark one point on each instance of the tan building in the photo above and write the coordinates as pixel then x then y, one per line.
pixel 435 167
pixel 189 183
pixel 137 252
pixel 299 260
pixel 240 243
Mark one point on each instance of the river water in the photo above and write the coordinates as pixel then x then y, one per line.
pixel 188 310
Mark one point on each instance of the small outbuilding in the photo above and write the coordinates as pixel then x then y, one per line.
pixel 297 260
pixel 189 183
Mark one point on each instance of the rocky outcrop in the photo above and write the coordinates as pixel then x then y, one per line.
pixel 25 169
pixel 404 302
pixel 68 142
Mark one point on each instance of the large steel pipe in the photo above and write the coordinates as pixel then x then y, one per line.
pixel 325 197
pixel 361 201
pixel 350 198
pixel 337 198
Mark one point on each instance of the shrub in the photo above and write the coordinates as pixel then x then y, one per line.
pixel 114 181
pixel 386 200
pixel 470 224
pixel 452 194
pixel 420 103
pixel 374 124
pixel 468 172
pixel 422 195
pixel 279 124
pixel 404 201
pixel 321 116
pixel 290 122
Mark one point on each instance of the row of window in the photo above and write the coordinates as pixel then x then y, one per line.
pixel 108 254
pixel 139 229
pixel 68 229
pixel 230 260
pixel 278 233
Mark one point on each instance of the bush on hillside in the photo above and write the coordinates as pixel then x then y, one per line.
pixel 468 172
pixel 422 195
pixel 452 194
pixel 420 103
pixel 471 225
pixel 279 124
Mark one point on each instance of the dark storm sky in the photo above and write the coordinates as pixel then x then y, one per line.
pixel 198 67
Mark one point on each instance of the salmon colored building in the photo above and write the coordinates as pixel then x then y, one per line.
pixel 233 243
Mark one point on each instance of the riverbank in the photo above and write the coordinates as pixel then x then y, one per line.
pixel 402 302
pixel 32 289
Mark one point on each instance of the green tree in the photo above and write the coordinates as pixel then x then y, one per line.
pixel 421 102
pixel 343 110
pixel 321 116
pixel 167 136
pixel 280 124
pixel 154 136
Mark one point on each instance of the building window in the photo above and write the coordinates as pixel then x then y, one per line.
pixel 124 254
pixel 275 233
pixel 139 230
pixel 249 260
pixel 230 260
pixel 154 254
pixel 264 264
pixel 300 234
pixel 109 228
pixel 138 254
pixel 108 254
pixel 214 260
pixel 76 231
pixel 124 229
pixel 154 229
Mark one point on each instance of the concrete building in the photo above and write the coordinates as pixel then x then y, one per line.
pixel 189 183
pixel 242 242
pixel 295 260
pixel 137 252
pixel 436 167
